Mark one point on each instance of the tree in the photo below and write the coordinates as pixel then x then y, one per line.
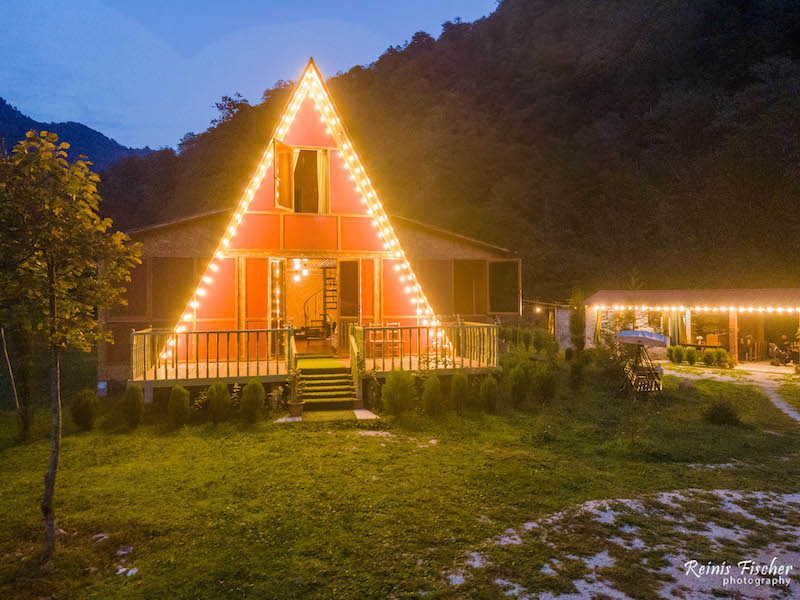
pixel 59 265
pixel 228 107
pixel 577 321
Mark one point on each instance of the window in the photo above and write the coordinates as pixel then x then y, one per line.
pixel 469 277
pixel 301 179
pixel 504 286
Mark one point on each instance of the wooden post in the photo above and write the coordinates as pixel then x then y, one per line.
pixel 733 334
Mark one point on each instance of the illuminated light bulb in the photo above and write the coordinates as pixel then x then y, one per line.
pixel 305 272
pixel 169 352
pixel 296 278
pixel 163 355
pixel 413 300
pixel 397 267
pixel 180 329
pixel 760 309
pixel 171 343
pixel 398 254
pixel 427 311
pixel 207 279
pixel 345 145
pixel 407 290
pixel 424 321
pixel 402 277
pixel 201 292
pixel 385 246
pixel 769 309
pixel 218 254
pixel 750 309
pixel 296 263
pixel 187 316
pixel 419 311
pixel 225 242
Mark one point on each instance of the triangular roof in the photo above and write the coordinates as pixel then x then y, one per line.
pixel 312 84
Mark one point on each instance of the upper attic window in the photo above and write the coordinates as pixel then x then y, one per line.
pixel 301 179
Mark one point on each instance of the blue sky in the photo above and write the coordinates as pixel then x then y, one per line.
pixel 146 71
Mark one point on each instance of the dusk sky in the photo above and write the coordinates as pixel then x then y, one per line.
pixel 146 72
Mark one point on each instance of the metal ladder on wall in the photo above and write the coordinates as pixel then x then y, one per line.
pixel 330 291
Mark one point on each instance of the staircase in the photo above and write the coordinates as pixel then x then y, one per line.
pixel 327 383
pixel 330 290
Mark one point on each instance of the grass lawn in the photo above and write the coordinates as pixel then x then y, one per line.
pixel 356 509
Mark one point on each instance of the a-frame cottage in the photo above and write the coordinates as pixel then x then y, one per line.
pixel 308 267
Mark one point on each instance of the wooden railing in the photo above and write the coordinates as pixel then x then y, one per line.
pixel 414 348
pixel 164 355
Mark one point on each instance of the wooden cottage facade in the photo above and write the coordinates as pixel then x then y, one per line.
pixel 307 262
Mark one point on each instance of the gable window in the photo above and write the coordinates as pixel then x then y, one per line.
pixel 301 179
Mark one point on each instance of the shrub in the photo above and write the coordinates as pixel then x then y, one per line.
pixel 677 354
pixel 178 407
pixel 85 409
pixel 542 383
pixel 397 393
pixel 721 357
pixel 709 357
pixel 219 402
pixel 489 394
pixel 518 383
pixel 133 405
pixel 432 396
pixel 671 353
pixel 252 403
pixel 568 352
pixel 722 412
pixel 691 355
pixel 527 339
pixel 540 337
pixel 459 392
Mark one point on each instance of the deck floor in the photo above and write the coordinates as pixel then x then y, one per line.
pixel 277 371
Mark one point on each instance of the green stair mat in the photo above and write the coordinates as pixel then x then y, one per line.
pixel 320 363
pixel 327 379
pixel 341 387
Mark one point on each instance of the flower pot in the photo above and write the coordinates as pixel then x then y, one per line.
pixel 296 409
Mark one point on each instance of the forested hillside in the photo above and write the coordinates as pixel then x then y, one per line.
pixel 594 138
pixel 101 150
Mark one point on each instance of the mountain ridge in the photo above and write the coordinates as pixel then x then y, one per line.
pixel 100 149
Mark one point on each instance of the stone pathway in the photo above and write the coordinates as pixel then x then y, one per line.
pixel 769 384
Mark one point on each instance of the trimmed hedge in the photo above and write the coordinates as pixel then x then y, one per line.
pixel 459 392
pixel 252 403
pixel 133 405
pixel 85 408
pixel 397 393
pixel 178 407
pixel 219 402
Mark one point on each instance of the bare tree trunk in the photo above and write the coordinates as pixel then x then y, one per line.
pixel 55 447
pixel 10 370
pixel 55 431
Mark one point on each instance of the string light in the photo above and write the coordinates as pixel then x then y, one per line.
pixel 761 309
pixel 312 85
